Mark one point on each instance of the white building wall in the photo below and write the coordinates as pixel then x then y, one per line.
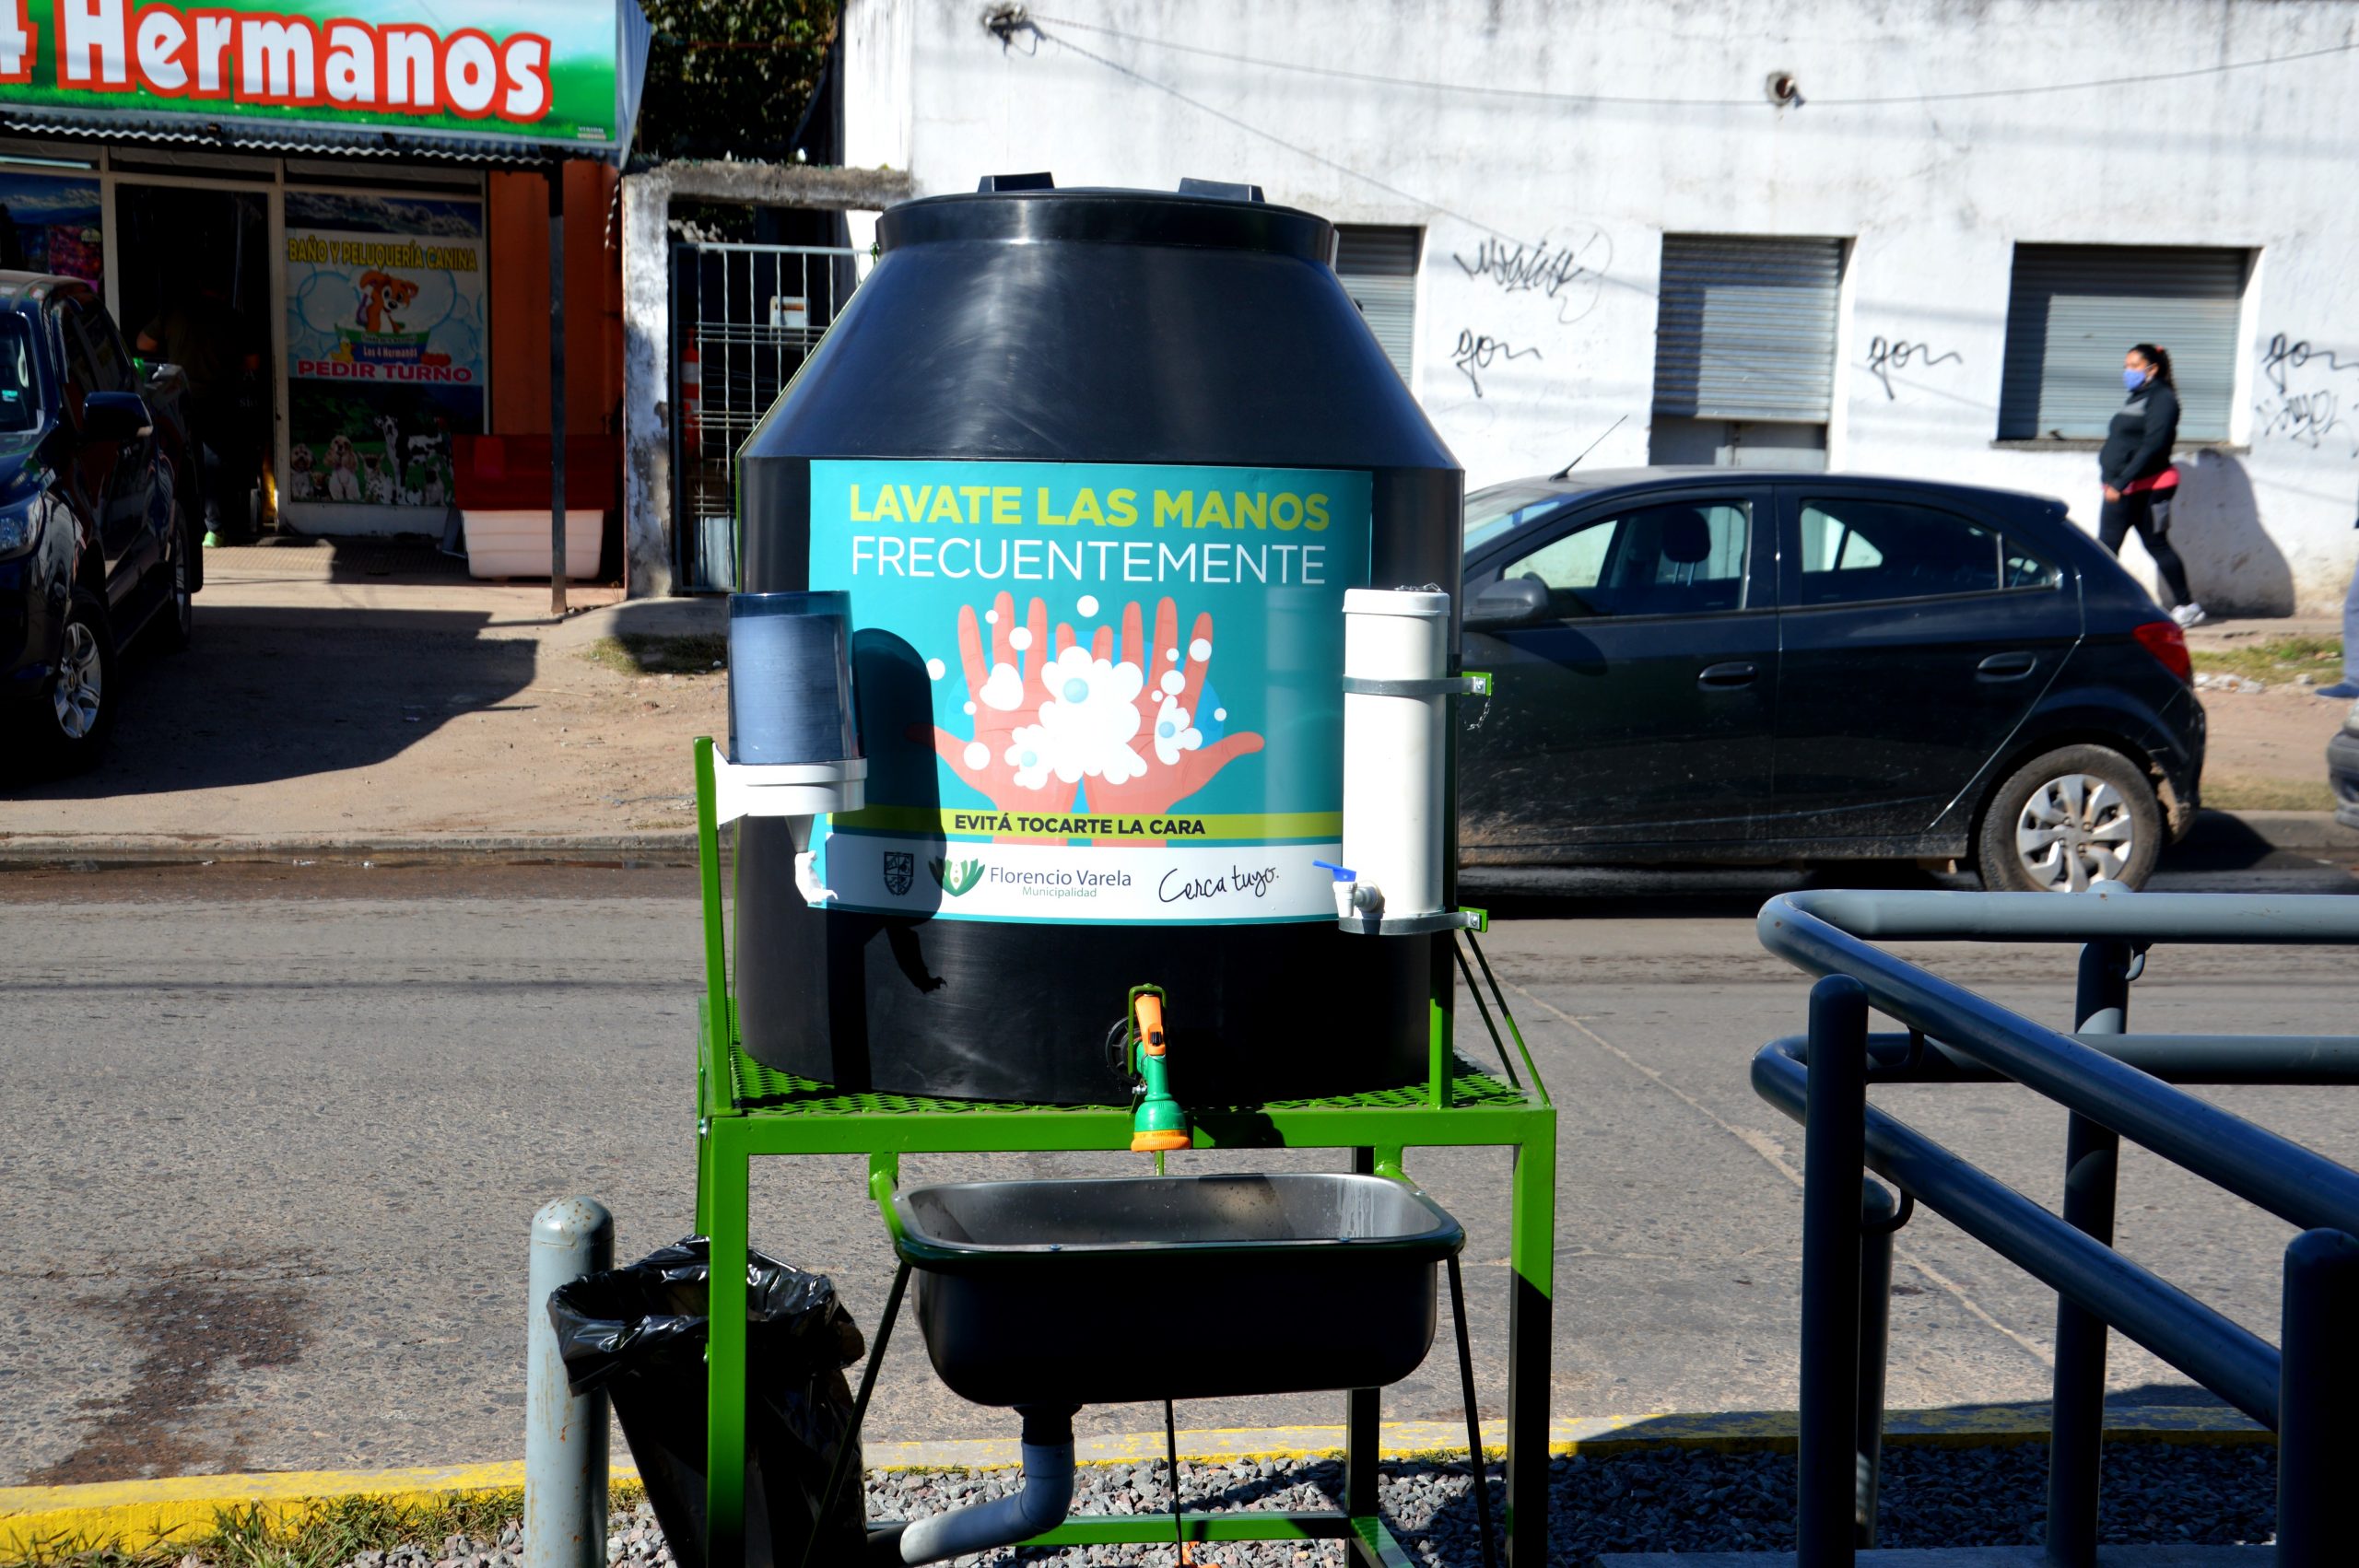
pixel 1544 217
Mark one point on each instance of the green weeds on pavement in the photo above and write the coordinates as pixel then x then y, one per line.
pixel 339 1531
pixel 2276 659
pixel 2269 794
pixel 639 653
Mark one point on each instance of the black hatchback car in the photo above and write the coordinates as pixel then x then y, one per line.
pixel 1758 667
pixel 96 489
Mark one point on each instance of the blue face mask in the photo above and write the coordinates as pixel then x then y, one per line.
pixel 2131 378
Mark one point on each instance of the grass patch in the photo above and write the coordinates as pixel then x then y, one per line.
pixel 339 1531
pixel 2269 794
pixel 2276 659
pixel 639 653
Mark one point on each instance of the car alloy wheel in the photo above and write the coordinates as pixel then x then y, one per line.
pixel 79 693
pixel 2075 832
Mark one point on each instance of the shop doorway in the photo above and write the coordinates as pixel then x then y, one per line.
pixel 193 274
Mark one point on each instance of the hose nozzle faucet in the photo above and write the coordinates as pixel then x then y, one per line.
pixel 1157 1121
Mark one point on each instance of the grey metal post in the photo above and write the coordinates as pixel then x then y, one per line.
pixel 1879 1214
pixel 565 1437
pixel 1833 1148
pixel 2092 1153
pixel 2317 1448
pixel 556 390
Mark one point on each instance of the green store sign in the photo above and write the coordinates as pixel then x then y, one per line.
pixel 543 71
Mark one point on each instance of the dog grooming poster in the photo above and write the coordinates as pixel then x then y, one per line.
pixel 385 344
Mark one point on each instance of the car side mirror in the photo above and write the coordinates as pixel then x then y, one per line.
pixel 1511 602
pixel 116 416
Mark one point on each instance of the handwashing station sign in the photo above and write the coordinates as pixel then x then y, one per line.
pixel 537 71
pixel 1134 678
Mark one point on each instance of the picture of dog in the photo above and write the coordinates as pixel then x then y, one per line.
pixel 424 475
pixel 379 483
pixel 344 469
pixel 298 476
pixel 382 293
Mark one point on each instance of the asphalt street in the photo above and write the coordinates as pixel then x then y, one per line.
pixel 272 1139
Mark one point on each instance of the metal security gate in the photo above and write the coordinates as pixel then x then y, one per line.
pixel 2073 309
pixel 743 319
pixel 1378 269
pixel 1744 351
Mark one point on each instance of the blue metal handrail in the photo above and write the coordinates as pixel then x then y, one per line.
pixel 2114 1084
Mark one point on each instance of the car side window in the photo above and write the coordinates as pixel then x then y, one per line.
pixel 81 373
pixel 1854 549
pixel 2020 568
pixel 1679 558
pixel 109 358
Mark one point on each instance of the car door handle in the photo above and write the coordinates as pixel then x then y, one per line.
pixel 2006 666
pixel 1737 673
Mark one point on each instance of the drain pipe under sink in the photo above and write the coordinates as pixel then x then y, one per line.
pixel 1040 1504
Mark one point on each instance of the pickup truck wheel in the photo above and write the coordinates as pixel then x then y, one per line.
pixel 2077 818
pixel 77 712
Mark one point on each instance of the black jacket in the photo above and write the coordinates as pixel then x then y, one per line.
pixel 2138 442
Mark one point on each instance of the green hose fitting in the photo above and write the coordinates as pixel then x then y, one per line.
pixel 1157 1121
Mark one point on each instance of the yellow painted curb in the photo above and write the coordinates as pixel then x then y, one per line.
pixel 138 1513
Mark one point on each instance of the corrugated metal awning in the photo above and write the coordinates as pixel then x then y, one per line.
pixel 2073 311
pixel 247 135
pixel 1746 329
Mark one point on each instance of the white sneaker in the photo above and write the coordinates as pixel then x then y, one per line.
pixel 2189 615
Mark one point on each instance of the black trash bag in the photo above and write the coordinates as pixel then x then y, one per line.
pixel 639 1332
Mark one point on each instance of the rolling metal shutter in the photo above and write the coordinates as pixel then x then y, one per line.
pixel 1746 327
pixel 1378 267
pixel 2072 312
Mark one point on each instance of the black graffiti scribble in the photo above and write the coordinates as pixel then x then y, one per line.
pixel 2303 418
pixel 2283 354
pixel 1566 275
pixel 1476 352
pixel 1885 356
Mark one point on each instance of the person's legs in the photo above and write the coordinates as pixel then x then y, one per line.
pixel 2151 515
pixel 2348 687
pixel 2113 525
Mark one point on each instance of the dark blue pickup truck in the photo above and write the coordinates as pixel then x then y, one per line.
pixel 97 486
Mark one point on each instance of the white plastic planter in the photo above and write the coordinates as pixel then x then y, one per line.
pixel 516 543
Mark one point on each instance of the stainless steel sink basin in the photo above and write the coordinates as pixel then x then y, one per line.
pixel 1107 1291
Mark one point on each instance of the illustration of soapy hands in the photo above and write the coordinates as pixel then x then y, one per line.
pixel 1042 725
pixel 1006 696
pixel 1166 691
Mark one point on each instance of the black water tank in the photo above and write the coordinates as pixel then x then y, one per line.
pixel 1102 402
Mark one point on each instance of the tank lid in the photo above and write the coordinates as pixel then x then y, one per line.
pixel 1423 602
pixel 1202 214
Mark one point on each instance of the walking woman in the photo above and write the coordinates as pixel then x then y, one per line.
pixel 2140 483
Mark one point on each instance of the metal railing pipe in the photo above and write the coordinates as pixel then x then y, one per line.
pixel 2316 1447
pixel 1881 1214
pixel 2215 1350
pixel 2276 1173
pixel 2244 918
pixel 2273 1059
pixel 2077 1402
pixel 1835 1098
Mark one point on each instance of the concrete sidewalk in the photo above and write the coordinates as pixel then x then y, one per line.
pixel 366 700
pixel 362 694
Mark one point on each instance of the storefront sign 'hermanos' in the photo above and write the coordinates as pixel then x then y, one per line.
pixel 529 67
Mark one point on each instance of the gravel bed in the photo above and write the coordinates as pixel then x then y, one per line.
pixel 1659 1500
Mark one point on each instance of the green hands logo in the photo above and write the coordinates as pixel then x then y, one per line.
pixel 957 879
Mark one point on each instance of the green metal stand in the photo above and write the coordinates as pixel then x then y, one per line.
pixel 745 1110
